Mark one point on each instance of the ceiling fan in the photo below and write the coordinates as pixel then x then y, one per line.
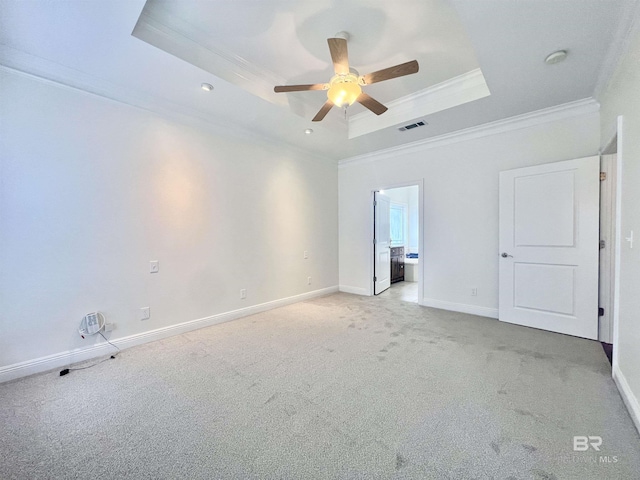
pixel 344 88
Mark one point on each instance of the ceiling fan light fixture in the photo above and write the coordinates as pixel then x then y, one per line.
pixel 345 87
pixel 344 90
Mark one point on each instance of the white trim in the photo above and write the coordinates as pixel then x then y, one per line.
pixel 606 264
pixel 618 237
pixel 174 36
pixel 546 115
pixel 460 307
pixel 627 28
pixel 354 290
pixel 456 91
pixel 63 359
pixel 19 63
pixel 629 399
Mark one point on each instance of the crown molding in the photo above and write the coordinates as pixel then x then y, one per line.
pixel 456 91
pixel 174 36
pixel 20 63
pixel 546 115
pixel 171 34
pixel 628 27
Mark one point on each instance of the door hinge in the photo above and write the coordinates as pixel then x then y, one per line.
pixel 375 204
pixel 602 244
pixel 603 176
pixel 601 312
pixel 375 279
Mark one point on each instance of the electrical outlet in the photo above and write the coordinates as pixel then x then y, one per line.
pixel 305 254
pixel 474 291
pixel 145 313
pixel 154 266
pixel 308 280
pixel 108 327
pixel 243 293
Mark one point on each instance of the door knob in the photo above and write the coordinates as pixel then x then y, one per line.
pixel 505 255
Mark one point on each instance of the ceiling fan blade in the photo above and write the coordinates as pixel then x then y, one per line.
pixel 371 103
pixel 323 111
pixel 391 72
pixel 298 88
pixel 339 55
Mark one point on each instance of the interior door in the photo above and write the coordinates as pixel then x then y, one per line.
pixel 381 243
pixel 607 246
pixel 549 217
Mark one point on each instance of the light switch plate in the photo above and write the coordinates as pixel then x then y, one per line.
pixel 154 266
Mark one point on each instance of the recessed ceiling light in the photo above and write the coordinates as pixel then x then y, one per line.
pixel 207 87
pixel 556 57
pixel 308 131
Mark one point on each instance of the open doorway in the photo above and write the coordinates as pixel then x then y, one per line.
pixel 397 243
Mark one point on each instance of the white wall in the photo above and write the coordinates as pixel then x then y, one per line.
pixel 622 97
pixel 92 190
pixel 460 217
pixel 414 220
pixel 408 196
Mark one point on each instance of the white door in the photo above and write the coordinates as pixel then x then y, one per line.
pixel 381 243
pixel 549 247
pixel 607 246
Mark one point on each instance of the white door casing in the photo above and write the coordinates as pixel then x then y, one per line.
pixel 382 243
pixel 607 249
pixel 549 216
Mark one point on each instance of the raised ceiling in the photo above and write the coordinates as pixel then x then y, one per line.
pixel 257 45
pixel 499 43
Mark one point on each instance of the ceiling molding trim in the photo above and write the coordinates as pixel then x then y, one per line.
pixel 216 61
pixel 182 40
pixel 456 91
pixel 628 27
pixel 20 63
pixel 567 110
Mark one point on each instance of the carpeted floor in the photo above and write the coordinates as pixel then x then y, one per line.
pixel 337 387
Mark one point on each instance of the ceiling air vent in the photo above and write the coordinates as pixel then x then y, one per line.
pixel 421 123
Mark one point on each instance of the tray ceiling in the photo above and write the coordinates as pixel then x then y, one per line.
pixel 257 45
pixel 460 44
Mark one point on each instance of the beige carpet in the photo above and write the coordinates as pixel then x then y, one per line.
pixel 338 387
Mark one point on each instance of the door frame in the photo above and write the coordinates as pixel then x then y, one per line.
pixel 370 250
pixel 606 269
pixel 614 144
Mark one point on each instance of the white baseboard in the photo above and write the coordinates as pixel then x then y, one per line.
pixel 63 359
pixel 354 290
pixel 629 399
pixel 460 307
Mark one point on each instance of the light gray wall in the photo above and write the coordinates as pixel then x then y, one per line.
pixel 622 97
pixel 409 197
pixel 92 190
pixel 460 213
